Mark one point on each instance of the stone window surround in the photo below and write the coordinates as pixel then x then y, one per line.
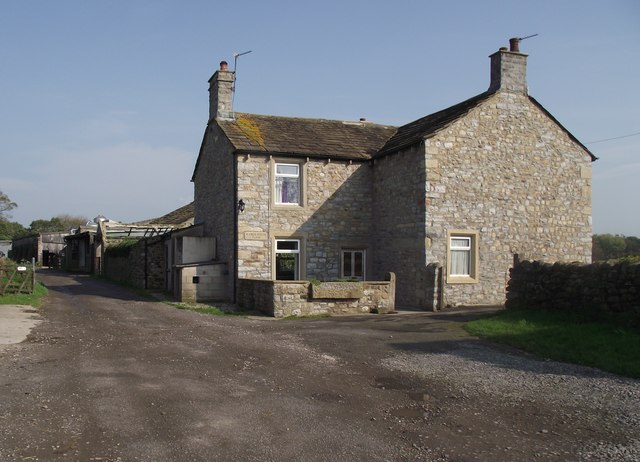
pixel 474 277
pixel 303 182
pixel 302 254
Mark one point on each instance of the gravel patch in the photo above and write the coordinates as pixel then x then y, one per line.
pixel 478 371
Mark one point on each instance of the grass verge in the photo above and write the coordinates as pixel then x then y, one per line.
pixel 565 337
pixel 34 299
pixel 206 309
pixel 306 317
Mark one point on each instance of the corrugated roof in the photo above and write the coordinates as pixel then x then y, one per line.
pixel 306 137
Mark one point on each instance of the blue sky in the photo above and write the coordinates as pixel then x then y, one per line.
pixel 103 103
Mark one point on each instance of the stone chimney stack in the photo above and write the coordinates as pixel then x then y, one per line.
pixel 221 93
pixel 509 69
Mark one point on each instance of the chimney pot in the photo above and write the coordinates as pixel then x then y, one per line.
pixel 509 69
pixel 221 93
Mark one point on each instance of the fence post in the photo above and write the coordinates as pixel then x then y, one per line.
pixel 33 274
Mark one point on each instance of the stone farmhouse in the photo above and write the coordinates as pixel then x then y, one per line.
pixel 445 202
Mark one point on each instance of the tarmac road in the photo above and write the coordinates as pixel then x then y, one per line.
pixel 108 376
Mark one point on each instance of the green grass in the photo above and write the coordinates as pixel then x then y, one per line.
pixel 305 317
pixel 206 309
pixel 565 337
pixel 34 299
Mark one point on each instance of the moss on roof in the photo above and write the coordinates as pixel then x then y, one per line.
pixel 307 137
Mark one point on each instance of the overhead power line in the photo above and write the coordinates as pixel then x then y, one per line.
pixel 614 138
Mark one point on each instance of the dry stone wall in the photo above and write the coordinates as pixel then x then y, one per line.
pixel 142 267
pixel 599 288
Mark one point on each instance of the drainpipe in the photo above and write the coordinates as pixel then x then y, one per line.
pixel 440 303
pixel 146 265
pixel 235 226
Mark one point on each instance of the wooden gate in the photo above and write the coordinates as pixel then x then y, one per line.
pixel 20 279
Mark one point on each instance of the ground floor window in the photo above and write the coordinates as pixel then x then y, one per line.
pixel 353 264
pixel 287 259
pixel 463 256
pixel 460 256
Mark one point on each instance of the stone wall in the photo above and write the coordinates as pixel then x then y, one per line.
pixel 143 267
pixel 155 263
pixel 118 269
pixel 301 298
pixel 399 225
pixel 215 197
pixel 509 173
pixel 335 213
pixel 596 288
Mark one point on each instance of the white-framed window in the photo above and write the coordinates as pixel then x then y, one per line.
pixel 287 259
pixel 463 257
pixel 460 251
pixel 287 185
pixel 353 263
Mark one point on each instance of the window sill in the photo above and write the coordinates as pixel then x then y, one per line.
pixel 287 206
pixel 461 280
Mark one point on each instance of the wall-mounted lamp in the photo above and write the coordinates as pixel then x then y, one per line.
pixel 241 205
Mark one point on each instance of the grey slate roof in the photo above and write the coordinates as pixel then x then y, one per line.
pixel 427 126
pixel 253 133
pixel 416 131
pixel 176 217
pixel 261 134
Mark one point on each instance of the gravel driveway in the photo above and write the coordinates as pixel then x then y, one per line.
pixel 108 376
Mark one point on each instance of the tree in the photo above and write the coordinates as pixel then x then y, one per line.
pixel 6 205
pixel 633 245
pixel 609 246
pixel 46 226
pixel 60 223
pixel 12 230
pixel 72 221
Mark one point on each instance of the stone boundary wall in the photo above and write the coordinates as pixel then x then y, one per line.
pixel 597 288
pixel 142 268
pixel 117 269
pixel 296 298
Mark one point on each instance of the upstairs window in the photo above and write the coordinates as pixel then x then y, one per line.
pixel 287 184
